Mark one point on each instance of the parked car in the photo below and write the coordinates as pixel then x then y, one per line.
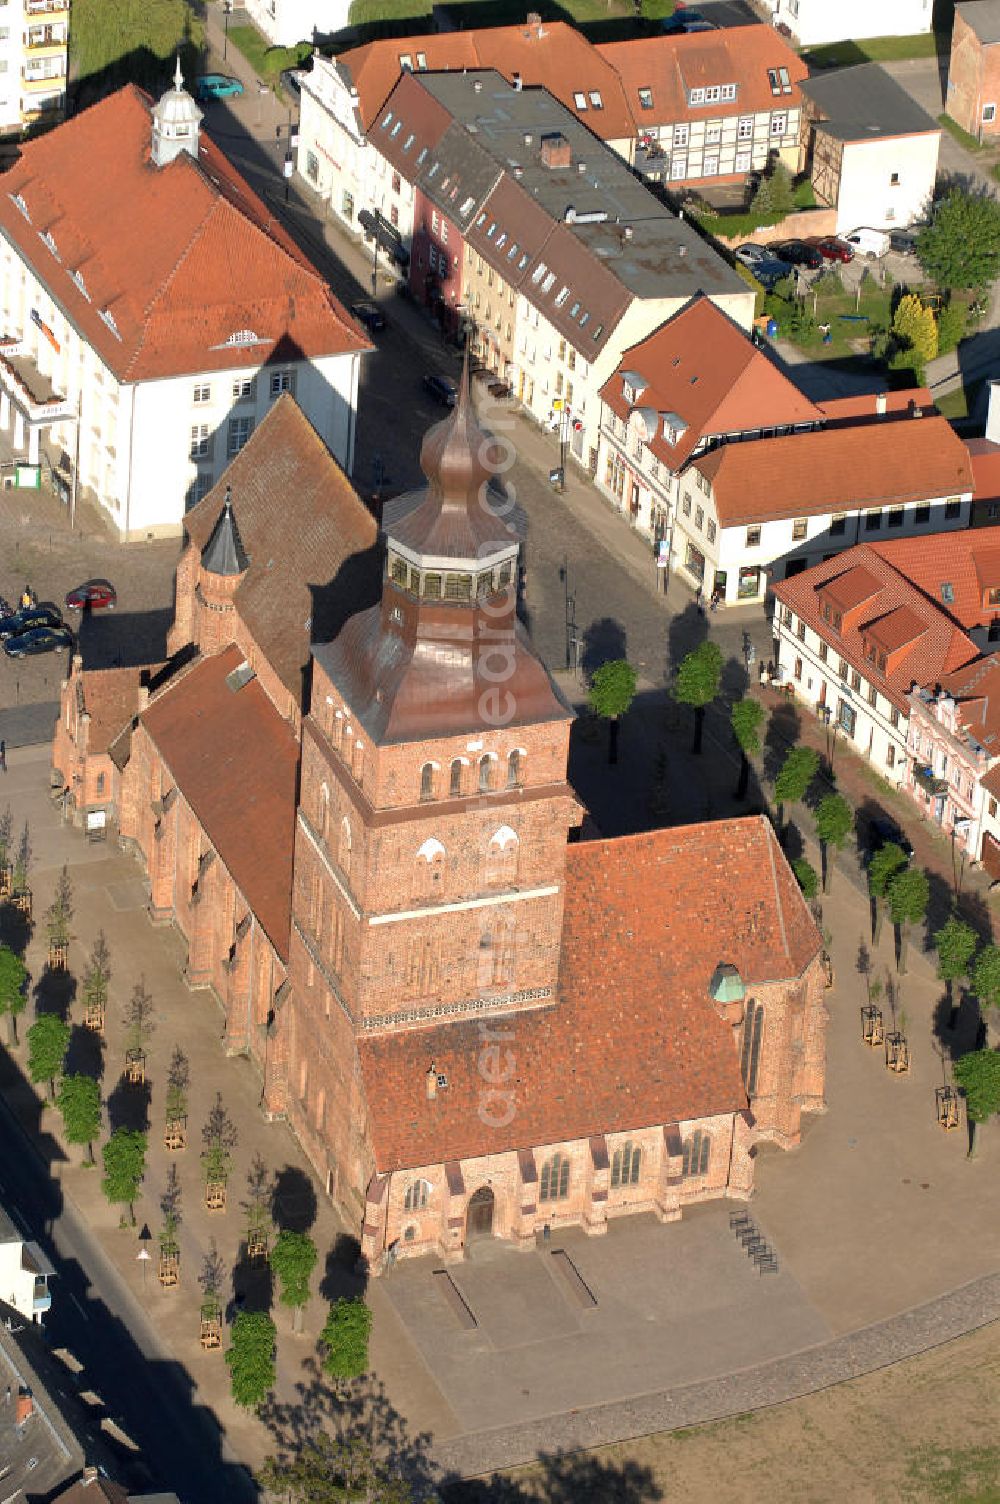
pixel 749 253
pixel 50 639
pixel 684 19
pixel 369 315
pixel 99 595
pixel 441 388
pixel 217 86
pixel 902 242
pixel 30 616
pixel 868 242
pixel 798 253
pixel 882 831
pixel 770 271
pixel 832 248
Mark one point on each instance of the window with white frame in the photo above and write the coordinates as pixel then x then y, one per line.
pixel 240 430
pixel 744 128
pixel 202 393
pixel 989 113
pixel 779 123
pixel 282 381
pixel 680 135
pixel 199 441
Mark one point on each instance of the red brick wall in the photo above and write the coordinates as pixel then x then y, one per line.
pixel 973 81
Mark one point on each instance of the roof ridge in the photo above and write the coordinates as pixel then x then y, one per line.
pixel 168 281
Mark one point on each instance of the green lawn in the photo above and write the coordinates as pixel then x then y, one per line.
pixel 962 137
pixel 131 41
pixel 266 61
pixel 874 50
pixel 843 314
pixel 958 404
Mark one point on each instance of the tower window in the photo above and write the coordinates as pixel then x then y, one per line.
pixel 398 570
pixel 485 773
pixel 455 780
pixel 458 587
pixel 432 587
pixel 427 781
pixel 514 770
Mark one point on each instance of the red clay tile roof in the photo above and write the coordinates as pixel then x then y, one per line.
pixel 556 57
pixel 182 257
pixel 967 559
pixel 896 404
pixel 835 470
pixel 938 644
pixel 985 457
pixel 110 698
pixel 671 66
pixel 702 366
pixel 634 1040
pixel 976 690
pixel 235 761
pixel 310 539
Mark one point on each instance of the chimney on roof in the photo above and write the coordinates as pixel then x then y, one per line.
pixel 90 1475
pixel 477 85
pixel 993 413
pixel 24 1408
pixel 432 1084
pixel 535 23
pixel 880 404
pixel 516 81
pixel 629 232
pixel 555 150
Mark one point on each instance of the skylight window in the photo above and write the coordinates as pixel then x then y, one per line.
pixel 774 80
pixel 561 296
pixel 480 220
pixel 78 279
pixel 598 331
pixel 467 206
pixel 408 142
pixel 108 318
pixel 421 60
pixel 584 318
pixel 433 170
pixel 396 129
pixel 539 273
pixel 406 61
pixel 786 83
pixel 580 100
pixel 422 156
pixel 549 282
pixel 48 240
pixel 492 229
pixel 501 240
pixel 18 201
pixel 947 592
pixel 387 121
pixel 525 258
pixel 596 100
pixel 646 99
pixel 575 309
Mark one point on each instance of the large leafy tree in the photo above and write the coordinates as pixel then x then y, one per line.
pixel 955 943
pixel 909 894
pixel 882 868
pixel 834 822
pixel 79 1101
pixel 794 777
pixel 293 1259
pixel 745 718
pixel 915 334
pixel 698 683
pixel 978 1074
pixel 124 1157
pixel 986 979
pixel 325 1470
pixel 251 1358
pixel 612 690
pixel 961 245
pixel 48 1041
pixel 805 876
pixel 344 1338
pixel 13 984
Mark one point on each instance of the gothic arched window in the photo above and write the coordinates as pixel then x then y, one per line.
pixel 553 1184
pixel 625 1164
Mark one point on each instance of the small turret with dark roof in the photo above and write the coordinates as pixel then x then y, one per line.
pixel 224 553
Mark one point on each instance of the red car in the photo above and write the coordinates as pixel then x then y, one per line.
pixel 832 249
pixel 98 595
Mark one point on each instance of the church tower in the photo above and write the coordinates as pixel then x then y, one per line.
pixel 434 808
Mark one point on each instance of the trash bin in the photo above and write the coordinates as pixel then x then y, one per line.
pixel 772 328
pixel 556 477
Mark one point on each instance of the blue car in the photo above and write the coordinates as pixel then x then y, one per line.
pixel 217 86
pixel 30 616
pixel 39 640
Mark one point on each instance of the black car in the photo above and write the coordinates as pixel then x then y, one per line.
pixel 369 315
pixel 882 831
pixel 442 389
pixel 798 253
pixel 27 617
pixel 51 639
pixel 685 20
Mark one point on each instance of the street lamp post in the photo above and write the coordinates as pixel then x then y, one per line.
pixel 378 221
pixel 564 422
pixel 227 7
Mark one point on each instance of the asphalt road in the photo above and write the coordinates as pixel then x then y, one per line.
pixel 145 1391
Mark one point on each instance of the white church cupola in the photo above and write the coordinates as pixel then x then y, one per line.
pixel 176 123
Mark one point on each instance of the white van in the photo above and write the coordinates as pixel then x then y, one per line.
pixel 868 242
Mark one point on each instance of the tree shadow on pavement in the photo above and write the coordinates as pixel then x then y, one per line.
pixel 293 1200
pixel 604 641
pixel 15 929
pixel 687 630
pixel 54 993
pixel 578 1479
pixel 344 1273
pixel 253 1285
pixel 85 1054
pixel 784 727
pixel 128 1105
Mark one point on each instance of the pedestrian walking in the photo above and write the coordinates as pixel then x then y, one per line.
pixel 25 598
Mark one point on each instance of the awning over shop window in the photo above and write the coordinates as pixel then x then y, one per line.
pixel 924 778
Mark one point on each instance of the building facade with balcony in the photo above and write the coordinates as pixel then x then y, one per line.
pixel 711 106
pixel 34 39
pixel 953 748
pixel 153 312
pixel 24 1273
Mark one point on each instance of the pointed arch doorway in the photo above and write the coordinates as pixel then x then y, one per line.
pixel 479 1219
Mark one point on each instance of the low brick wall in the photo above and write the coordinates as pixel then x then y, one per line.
pixel 800 226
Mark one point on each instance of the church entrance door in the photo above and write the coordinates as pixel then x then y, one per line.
pixel 479 1223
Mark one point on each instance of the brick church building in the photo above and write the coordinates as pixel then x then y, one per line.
pixel 348 789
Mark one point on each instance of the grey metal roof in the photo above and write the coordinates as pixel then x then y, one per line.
pixel 224 552
pixel 865 103
pixel 984 18
pixel 594 198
